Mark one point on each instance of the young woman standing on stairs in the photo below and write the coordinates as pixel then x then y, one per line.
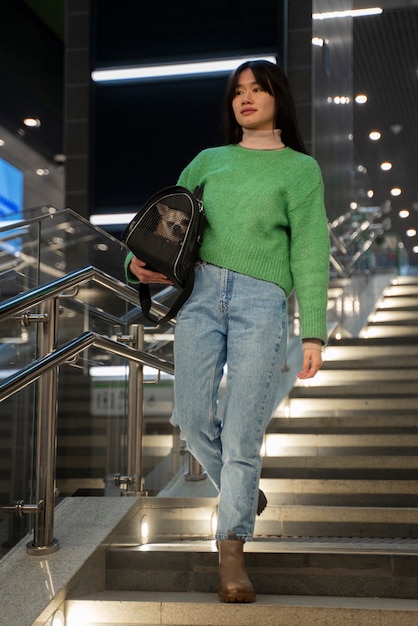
pixel 266 234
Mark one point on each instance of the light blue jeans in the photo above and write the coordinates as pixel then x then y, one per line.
pixel 240 321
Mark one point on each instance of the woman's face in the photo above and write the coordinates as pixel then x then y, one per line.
pixel 253 107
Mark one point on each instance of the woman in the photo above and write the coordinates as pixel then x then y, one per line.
pixel 266 234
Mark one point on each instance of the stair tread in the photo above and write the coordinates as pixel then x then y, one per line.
pixel 278 545
pixel 273 600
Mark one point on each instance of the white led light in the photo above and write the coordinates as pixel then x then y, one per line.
pixel 144 530
pixel 214 523
pixel 386 166
pixel 396 191
pixel 361 98
pixel 404 214
pixel 109 219
pixel 375 135
pixel 32 122
pixel 58 619
pixel 411 232
pixel 327 15
pixel 166 70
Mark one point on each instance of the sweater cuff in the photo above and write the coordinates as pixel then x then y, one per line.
pixel 311 345
pixel 130 277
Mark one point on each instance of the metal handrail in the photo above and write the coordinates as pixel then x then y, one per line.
pixel 34 370
pixel 27 299
pixel 372 227
pixel 46 368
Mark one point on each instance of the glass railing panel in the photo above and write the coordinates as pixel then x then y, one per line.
pixel 92 427
pixel 44 248
pixel 92 394
pixel 16 465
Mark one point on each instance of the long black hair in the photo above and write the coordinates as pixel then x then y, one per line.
pixel 273 80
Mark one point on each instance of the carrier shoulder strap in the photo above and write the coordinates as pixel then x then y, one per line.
pixel 145 301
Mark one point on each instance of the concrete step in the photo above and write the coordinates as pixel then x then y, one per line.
pixel 345 406
pixel 367 354
pixel 389 331
pixel 337 521
pixel 204 609
pixel 289 444
pixel 393 317
pixel 353 467
pixel 317 566
pixel 170 519
pixel 398 303
pixel 359 492
pixel 360 423
pixel 401 290
pixel 356 388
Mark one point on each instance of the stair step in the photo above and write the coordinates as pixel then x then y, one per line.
pixel 398 303
pixel 342 492
pixel 401 290
pixel 204 609
pixel 319 407
pixel 282 444
pixel 389 331
pixel 323 388
pixel 315 566
pixel 393 317
pixel 337 521
pixel 376 467
pixel 360 422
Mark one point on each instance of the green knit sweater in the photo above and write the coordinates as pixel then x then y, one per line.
pixel 266 219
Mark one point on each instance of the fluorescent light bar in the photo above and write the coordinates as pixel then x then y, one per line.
pixel 121 372
pixel 166 70
pixel 349 13
pixel 111 219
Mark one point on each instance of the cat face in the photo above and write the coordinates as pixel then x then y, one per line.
pixel 173 224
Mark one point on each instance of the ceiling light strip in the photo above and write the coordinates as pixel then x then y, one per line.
pixel 111 219
pixel 143 72
pixel 348 13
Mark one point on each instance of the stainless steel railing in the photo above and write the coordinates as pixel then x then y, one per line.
pixel 45 370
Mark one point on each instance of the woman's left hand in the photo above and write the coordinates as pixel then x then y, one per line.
pixel 312 361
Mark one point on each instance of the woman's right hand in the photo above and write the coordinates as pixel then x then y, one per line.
pixel 137 267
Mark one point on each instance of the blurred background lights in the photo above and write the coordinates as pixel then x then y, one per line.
pixel 411 232
pixel 395 191
pixel 32 122
pixel 404 213
pixel 361 98
pixel 375 135
pixel 386 166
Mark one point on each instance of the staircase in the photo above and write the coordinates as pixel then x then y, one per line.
pixel 338 542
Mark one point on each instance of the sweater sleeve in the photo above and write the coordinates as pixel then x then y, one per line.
pixel 309 251
pixel 130 278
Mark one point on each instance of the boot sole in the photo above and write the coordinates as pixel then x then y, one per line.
pixel 239 598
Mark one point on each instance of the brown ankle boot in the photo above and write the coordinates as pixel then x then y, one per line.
pixel 234 584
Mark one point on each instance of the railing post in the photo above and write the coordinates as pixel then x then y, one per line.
pixel 46 438
pixel 135 414
pixel 196 471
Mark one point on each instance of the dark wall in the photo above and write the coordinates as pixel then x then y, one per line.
pixel 31 76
